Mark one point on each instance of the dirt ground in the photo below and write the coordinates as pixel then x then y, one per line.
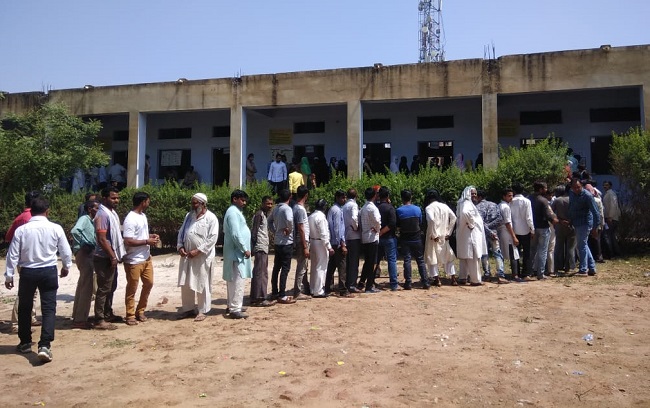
pixel 521 344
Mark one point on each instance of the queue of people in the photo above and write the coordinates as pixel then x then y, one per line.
pixel 546 234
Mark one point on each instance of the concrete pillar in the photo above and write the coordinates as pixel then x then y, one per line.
pixel 137 149
pixel 490 131
pixel 645 106
pixel 237 144
pixel 355 139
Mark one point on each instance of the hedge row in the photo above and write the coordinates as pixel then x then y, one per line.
pixel 170 203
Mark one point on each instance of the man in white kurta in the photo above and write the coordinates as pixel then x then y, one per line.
pixel 236 253
pixel 507 238
pixel 196 241
pixel 470 238
pixel 440 224
pixel 320 249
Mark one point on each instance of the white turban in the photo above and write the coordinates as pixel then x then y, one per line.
pixel 201 197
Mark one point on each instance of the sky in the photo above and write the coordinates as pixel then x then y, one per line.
pixel 49 45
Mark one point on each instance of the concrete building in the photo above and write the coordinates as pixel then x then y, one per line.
pixel 431 109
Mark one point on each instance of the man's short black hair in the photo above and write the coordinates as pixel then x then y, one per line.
pixel 406 195
pixel 139 198
pixel 320 205
pixel 383 192
pixel 339 193
pixel 539 185
pixel 106 192
pixel 283 195
pixel 238 194
pixel 517 188
pixel 29 196
pixel 39 206
pixel 369 193
pixel 301 192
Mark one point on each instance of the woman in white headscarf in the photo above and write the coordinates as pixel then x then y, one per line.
pixel 470 238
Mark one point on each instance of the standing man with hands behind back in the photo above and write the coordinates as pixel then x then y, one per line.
pixel 34 249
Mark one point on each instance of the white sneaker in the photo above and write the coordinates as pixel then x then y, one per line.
pixel 44 354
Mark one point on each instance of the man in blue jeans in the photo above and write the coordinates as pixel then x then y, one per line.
pixel 542 216
pixel 387 237
pixel 281 222
pixel 34 249
pixel 585 218
pixel 409 219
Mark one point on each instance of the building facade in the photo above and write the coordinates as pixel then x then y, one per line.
pixel 438 110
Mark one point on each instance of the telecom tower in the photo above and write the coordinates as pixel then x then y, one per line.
pixel 431 30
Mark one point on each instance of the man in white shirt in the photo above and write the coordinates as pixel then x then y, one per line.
pixel 137 261
pixel 370 226
pixel 277 174
pixel 522 223
pixel 352 240
pixel 320 250
pixel 507 238
pixel 34 249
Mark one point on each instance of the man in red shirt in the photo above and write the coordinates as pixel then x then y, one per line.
pixel 22 219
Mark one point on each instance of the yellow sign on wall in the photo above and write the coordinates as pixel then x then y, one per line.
pixel 280 137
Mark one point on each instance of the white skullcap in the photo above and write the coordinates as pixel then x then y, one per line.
pixel 201 197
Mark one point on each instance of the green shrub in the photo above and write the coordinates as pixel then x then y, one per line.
pixel 630 158
pixel 170 202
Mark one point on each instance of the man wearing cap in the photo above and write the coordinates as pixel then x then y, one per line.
pixel 196 241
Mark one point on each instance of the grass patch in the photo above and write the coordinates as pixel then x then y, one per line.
pixel 119 343
pixel 6 300
pixel 631 270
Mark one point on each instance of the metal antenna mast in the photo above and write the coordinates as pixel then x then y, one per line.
pixel 431 31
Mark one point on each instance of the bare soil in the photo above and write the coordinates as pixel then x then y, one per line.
pixel 521 344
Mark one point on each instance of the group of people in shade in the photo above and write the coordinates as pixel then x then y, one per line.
pixel 542 235
pixel 312 173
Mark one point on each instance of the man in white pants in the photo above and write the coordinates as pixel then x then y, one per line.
pixel 237 264
pixel 320 249
pixel 196 240
pixel 440 224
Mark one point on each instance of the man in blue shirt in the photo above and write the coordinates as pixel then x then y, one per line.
pixel 584 217
pixel 409 219
pixel 336 226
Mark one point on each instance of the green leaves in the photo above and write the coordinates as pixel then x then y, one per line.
pixel 41 146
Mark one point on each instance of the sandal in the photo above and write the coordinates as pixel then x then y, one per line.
pixel 200 317
pixel 142 318
pixel 131 322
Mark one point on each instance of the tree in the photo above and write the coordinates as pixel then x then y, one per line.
pixel 43 145
pixel 630 158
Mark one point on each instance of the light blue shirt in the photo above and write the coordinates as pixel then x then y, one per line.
pixel 236 241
